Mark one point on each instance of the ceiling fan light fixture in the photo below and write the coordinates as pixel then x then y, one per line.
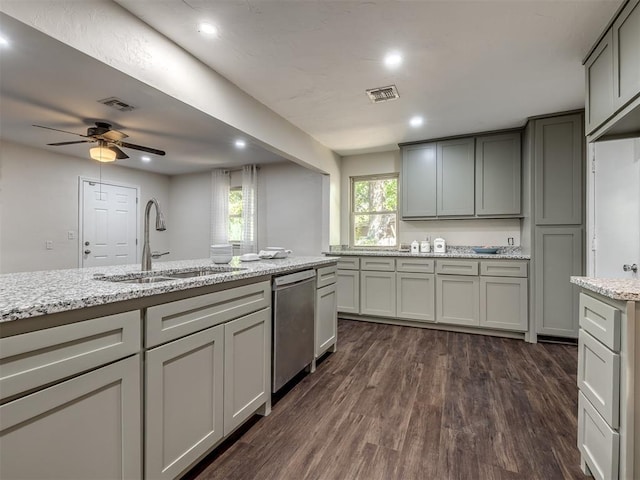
pixel 102 154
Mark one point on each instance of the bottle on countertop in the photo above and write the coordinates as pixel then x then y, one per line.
pixel 415 246
pixel 425 246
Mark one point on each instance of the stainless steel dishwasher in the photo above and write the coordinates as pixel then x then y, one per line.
pixel 293 310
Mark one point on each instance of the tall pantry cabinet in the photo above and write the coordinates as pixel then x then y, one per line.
pixel 553 224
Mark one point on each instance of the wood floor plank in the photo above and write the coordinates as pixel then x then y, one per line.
pixel 400 403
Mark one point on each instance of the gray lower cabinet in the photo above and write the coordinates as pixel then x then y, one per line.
pixel 415 296
pixel 326 319
pixel 458 300
pixel 456 177
pixel 558 255
pixel 504 303
pixel 378 293
pixel 86 427
pixel 247 367
pixel 348 291
pixel 498 172
pixel 184 402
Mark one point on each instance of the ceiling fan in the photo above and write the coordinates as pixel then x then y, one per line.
pixel 109 142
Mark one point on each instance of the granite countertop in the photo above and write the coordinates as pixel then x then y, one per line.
pixel 31 294
pixel 504 253
pixel 615 288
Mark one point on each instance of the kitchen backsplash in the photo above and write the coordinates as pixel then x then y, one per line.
pixel 484 232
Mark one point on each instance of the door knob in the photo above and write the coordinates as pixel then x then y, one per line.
pixel 630 268
pixel 87 251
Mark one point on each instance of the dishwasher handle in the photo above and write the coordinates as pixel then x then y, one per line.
pixel 293 278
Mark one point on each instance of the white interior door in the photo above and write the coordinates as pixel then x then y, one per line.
pixel 109 224
pixel 616 206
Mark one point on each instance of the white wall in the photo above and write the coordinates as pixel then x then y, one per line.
pixel 455 232
pixel 39 202
pixel 128 44
pixel 190 212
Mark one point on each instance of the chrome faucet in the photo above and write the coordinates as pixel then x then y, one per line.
pixel 160 226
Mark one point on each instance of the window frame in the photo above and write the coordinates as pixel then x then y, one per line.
pixel 381 176
pixel 234 242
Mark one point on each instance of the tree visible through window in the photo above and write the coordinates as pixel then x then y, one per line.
pixel 374 211
pixel 235 215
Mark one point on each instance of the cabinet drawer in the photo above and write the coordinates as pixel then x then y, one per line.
pixel 602 321
pixel 35 359
pixel 457 267
pixel 177 319
pixel 380 264
pixel 415 265
pixel 598 443
pixel 349 263
pixel 504 268
pixel 599 377
pixel 326 276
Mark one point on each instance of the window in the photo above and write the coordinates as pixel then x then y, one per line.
pixel 374 211
pixel 235 215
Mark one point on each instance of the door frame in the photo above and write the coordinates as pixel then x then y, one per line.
pixel 81 180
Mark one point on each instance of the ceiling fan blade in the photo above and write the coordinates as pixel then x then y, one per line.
pixel 69 143
pixel 120 155
pixel 58 130
pixel 144 149
pixel 114 135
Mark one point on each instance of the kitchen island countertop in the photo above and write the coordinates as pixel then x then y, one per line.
pixel 32 294
pixel 614 288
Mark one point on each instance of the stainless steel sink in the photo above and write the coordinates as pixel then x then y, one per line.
pixel 141 280
pixel 201 272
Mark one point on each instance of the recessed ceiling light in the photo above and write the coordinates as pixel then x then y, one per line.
pixel 208 29
pixel 240 143
pixel 145 158
pixel 393 60
pixel 416 121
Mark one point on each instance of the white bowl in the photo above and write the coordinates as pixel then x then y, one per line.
pixel 221 258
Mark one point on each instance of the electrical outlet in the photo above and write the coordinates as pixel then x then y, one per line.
pixel 48 244
pixel 510 241
pixel 71 235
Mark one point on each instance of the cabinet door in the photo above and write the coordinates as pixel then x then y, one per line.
pixel 626 54
pixel 418 181
pixel 498 165
pixel 559 160
pixel 378 294
pixel 184 380
pixel 557 256
pixel 86 427
pixel 326 319
pixel 457 300
pixel 348 291
pixel 599 79
pixel 456 177
pixel 415 293
pixel 504 303
pixel 247 367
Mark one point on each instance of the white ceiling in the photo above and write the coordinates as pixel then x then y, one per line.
pixel 469 66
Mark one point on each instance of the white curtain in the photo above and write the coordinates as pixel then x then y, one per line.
pixel 249 242
pixel 219 207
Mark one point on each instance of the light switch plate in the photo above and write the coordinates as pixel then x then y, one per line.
pixel 48 244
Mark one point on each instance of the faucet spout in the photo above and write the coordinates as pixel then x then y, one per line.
pixel 160 226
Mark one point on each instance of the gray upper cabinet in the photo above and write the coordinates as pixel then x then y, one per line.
pixel 599 77
pixel 626 54
pixel 456 177
pixel 498 173
pixel 419 181
pixel 559 170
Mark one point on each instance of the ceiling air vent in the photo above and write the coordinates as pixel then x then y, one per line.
pixel 116 103
pixel 383 94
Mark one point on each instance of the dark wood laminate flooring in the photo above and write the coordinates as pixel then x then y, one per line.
pixel 407 403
